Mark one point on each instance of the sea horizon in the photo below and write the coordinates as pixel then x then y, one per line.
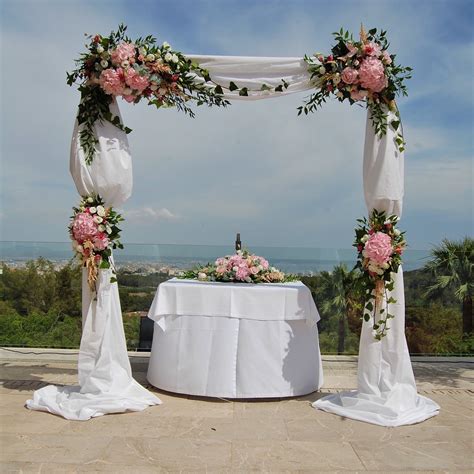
pixel 299 260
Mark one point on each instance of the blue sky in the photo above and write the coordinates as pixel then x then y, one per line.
pixel 255 168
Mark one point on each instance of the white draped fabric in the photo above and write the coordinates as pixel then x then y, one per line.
pixel 255 72
pixel 386 393
pixel 235 340
pixel 106 384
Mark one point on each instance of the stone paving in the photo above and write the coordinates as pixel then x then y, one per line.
pixel 193 434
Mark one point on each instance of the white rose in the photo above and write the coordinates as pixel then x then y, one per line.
pixel 340 95
pixel 100 49
pixel 90 200
pixel 101 211
pixel 168 57
pixel 174 58
pixel 322 70
pixel 166 45
pixel 380 271
pixel 108 229
pixel 125 63
pixel 396 232
pixel 93 210
pixel 202 276
pixel 98 219
pixel 101 228
pixel 80 249
pixel 142 50
pixel 153 87
pixel 364 239
pixel 336 79
pixel 386 265
pixel 105 55
pixel 150 57
pixel 104 63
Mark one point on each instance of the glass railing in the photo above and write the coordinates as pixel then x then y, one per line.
pixel 40 294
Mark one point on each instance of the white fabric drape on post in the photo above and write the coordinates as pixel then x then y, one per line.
pixel 106 384
pixel 386 393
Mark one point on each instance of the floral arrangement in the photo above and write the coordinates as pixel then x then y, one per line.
pixel 116 66
pixel 242 267
pixel 360 70
pixel 94 233
pixel 380 246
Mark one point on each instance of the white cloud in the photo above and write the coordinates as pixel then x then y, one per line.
pixel 149 214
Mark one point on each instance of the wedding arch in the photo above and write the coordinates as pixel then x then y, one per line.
pixel 356 71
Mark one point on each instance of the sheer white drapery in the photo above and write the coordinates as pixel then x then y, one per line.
pixel 386 393
pixel 106 384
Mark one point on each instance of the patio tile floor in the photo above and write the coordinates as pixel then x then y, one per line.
pixel 195 434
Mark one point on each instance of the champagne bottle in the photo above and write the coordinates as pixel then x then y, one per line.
pixel 238 243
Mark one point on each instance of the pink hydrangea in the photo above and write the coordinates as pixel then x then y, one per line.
pixel 84 227
pixel 242 272
pixel 371 49
pixel 378 248
pixel 135 81
pixel 101 241
pixel 123 52
pixel 372 74
pixel 112 81
pixel 349 75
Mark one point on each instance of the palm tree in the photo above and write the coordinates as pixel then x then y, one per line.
pixel 452 263
pixel 339 298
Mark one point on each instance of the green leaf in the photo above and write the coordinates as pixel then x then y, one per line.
pixel 366 317
pixel 369 306
pixel 243 92
pixel 104 264
pixel 233 86
pixel 279 88
pixel 395 124
pixel 218 90
pixel 113 280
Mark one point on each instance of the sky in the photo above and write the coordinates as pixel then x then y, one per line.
pixel 255 167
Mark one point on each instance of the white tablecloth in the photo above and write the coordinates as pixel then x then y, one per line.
pixel 235 340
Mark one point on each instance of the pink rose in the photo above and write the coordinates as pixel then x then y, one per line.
pixel 352 50
pixel 84 227
pixel 135 81
pixel 349 75
pixel 123 52
pixel 129 98
pixel 254 270
pixel 386 57
pixel 372 74
pixel 371 49
pixel 357 94
pixel 101 241
pixel 112 81
pixel 378 248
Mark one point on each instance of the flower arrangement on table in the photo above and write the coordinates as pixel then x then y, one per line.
pixel 380 246
pixel 117 66
pixel 360 70
pixel 242 267
pixel 94 233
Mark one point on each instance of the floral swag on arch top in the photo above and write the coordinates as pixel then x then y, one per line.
pixel 357 71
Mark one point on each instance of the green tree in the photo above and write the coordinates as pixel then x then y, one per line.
pixel 452 263
pixel 340 299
